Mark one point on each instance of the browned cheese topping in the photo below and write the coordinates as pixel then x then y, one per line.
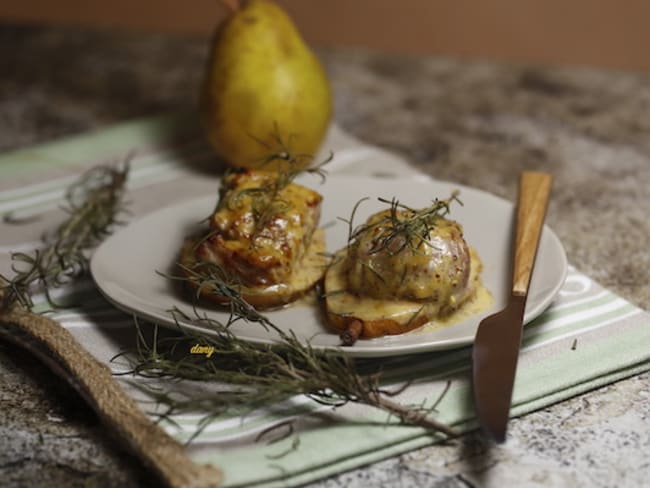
pixel 261 230
pixel 432 268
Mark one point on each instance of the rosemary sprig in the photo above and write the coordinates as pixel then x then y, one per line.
pixel 245 377
pixel 279 151
pixel 266 201
pixel 93 204
pixel 403 226
pixel 210 278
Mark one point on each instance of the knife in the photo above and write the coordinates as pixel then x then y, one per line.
pixel 498 338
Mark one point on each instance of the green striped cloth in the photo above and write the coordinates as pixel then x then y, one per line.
pixel 587 338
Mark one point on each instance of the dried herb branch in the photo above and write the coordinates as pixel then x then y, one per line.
pixel 210 278
pixel 279 150
pixel 281 167
pixel 245 377
pixel 93 205
pixel 266 200
pixel 403 226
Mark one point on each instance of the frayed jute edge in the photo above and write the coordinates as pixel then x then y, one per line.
pixel 52 344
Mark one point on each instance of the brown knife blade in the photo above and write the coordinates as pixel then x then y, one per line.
pixel 497 342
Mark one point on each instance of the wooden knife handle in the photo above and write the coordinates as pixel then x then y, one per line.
pixel 534 191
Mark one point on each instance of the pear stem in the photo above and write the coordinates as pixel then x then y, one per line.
pixel 232 5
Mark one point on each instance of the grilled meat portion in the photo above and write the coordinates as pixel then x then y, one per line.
pixel 261 227
pixel 430 264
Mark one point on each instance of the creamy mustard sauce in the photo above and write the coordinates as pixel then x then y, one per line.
pixel 305 274
pixel 482 300
pixel 367 308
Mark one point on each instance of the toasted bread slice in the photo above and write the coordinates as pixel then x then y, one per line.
pixel 357 316
pixel 305 275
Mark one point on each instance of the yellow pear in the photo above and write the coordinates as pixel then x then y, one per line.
pixel 265 95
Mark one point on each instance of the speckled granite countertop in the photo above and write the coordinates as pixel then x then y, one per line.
pixel 476 123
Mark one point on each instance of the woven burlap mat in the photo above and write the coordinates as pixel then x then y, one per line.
pixel 52 344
